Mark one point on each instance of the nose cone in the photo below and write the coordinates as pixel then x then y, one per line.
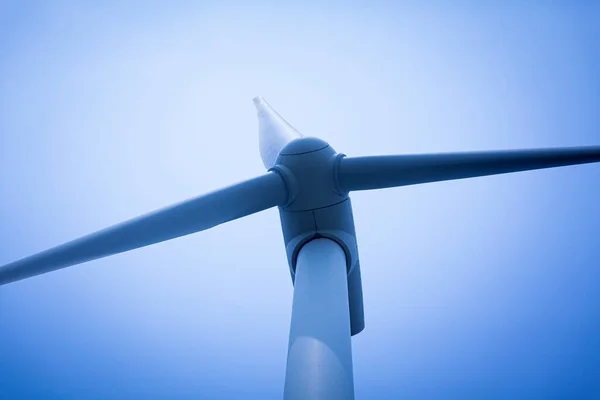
pixel 273 132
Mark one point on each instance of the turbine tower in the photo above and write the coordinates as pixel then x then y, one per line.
pixel 310 183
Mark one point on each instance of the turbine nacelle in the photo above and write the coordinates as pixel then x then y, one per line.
pixel 318 208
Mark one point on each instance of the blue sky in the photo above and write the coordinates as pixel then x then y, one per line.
pixel 481 288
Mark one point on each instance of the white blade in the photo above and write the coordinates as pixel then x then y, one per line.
pixel 273 132
pixel 181 219
pixel 378 172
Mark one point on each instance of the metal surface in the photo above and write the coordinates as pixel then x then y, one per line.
pixel 317 209
pixel 181 219
pixel 319 363
pixel 378 172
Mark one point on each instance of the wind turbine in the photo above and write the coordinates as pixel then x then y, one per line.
pixel 310 183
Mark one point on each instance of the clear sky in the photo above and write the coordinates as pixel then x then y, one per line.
pixel 484 288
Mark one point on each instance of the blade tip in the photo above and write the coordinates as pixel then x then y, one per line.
pixel 259 102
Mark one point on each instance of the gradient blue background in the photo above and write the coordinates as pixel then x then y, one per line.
pixel 485 288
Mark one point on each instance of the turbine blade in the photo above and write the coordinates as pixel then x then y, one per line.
pixel 181 219
pixel 378 172
pixel 273 132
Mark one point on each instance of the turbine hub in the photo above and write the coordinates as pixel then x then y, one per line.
pixel 302 146
pixel 309 167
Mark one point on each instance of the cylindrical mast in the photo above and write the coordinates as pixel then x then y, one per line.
pixel 319 363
